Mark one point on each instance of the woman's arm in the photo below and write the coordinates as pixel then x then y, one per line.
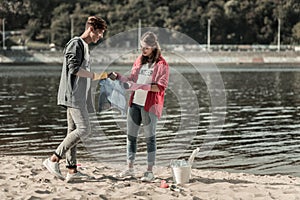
pixel 131 86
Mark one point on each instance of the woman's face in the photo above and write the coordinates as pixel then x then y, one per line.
pixel 146 49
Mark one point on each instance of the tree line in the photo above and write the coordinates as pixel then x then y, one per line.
pixel 232 21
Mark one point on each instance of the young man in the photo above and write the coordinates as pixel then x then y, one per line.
pixel 75 95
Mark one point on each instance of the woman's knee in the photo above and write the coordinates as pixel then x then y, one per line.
pixel 151 140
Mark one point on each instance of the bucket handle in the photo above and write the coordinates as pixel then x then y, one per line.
pixel 193 155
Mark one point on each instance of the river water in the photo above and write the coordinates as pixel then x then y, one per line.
pixel 260 133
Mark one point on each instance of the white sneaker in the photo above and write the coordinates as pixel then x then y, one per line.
pixel 128 172
pixel 148 177
pixel 53 167
pixel 76 176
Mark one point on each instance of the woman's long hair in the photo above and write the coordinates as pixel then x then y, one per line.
pixel 151 39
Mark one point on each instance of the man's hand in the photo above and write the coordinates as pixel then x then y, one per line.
pixel 99 76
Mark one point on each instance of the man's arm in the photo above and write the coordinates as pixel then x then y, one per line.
pixel 91 75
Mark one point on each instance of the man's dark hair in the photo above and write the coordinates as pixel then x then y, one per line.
pixel 96 23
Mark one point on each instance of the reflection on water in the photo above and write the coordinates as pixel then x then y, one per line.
pixel 260 134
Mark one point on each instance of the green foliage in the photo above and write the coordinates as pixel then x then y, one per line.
pixel 296 33
pixel 33 28
pixel 15 12
pixel 60 24
pixel 232 21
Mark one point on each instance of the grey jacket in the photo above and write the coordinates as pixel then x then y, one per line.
pixel 73 91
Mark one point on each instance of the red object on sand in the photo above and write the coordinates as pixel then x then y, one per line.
pixel 163 184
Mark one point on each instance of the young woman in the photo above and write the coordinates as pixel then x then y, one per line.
pixel 148 81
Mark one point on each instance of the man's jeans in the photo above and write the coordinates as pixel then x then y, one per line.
pixel 135 117
pixel 78 127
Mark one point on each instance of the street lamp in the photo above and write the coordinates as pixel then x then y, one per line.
pixel 208 35
pixel 139 34
pixel 3 34
pixel 72 25
pixel 278 37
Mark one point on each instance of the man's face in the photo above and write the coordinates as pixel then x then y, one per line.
pixel 96 35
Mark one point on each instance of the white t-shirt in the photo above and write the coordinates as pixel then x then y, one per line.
pixel 87 58
pixel 145 77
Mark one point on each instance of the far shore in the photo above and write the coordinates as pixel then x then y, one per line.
pixel 180 58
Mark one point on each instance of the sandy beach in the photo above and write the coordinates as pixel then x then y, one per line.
pixel 24 177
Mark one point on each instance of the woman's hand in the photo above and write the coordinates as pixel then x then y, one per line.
pixel 131 86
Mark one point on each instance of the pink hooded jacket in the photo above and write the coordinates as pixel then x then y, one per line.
pixel 155 100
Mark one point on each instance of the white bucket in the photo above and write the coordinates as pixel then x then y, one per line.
pixel 181 174
pixel 181 169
